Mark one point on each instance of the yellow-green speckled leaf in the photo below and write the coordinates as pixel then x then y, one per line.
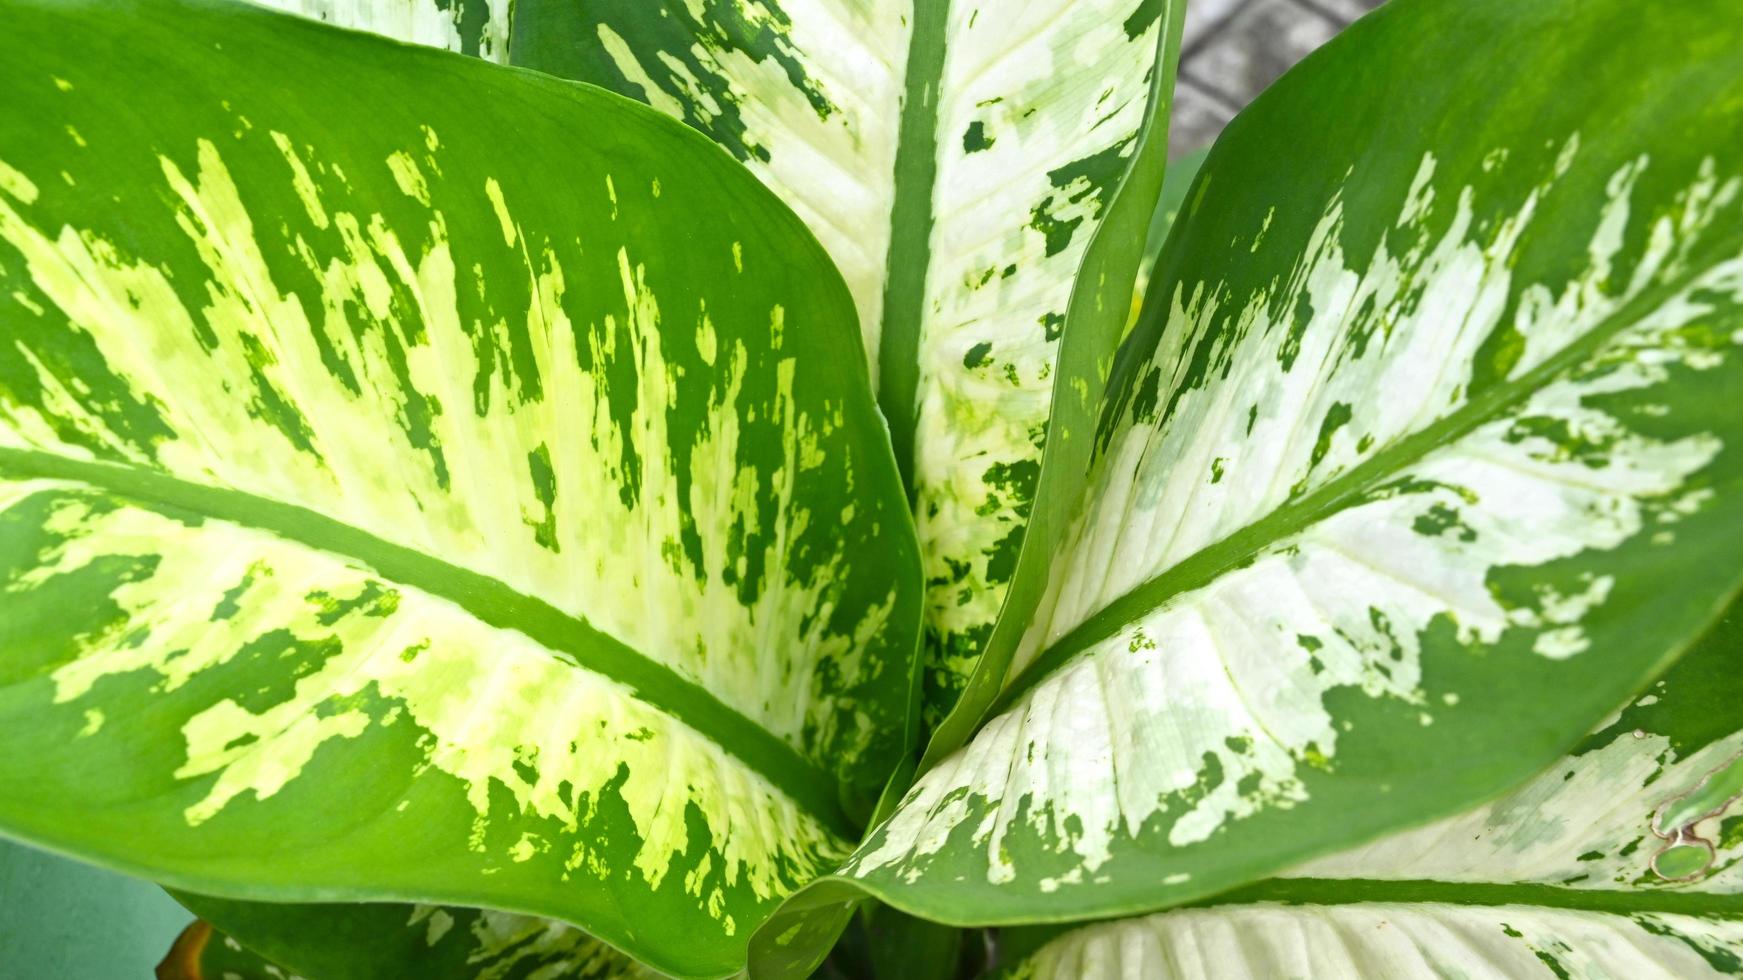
pixel 982 174
pixel 388 515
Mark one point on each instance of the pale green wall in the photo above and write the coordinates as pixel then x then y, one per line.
pixel 61 920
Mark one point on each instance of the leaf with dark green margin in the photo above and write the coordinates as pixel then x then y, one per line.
pixel 974 169
pixel 1175 184
pixel 390 942
pixel 384 516
pixel 1566 876
pixel 1424 456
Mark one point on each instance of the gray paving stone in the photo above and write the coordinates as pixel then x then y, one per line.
pixel 1233 49
pixel 1347 9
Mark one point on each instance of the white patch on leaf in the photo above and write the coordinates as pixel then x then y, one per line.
pixel 434 23
pixel 1584 823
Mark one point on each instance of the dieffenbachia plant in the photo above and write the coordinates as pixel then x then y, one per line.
pixel 389 515
pixel 458 499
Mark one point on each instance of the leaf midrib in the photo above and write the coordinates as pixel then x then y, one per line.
pixel 1245 545
pixel 910 253
pixel 487 599
pixel 1353 891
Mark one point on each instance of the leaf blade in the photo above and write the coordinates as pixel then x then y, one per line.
pixel 1395 940
pixel 958 169
pixel 380 942
pixel 1348 636
pixel 1561 869
pixel 474 27
pixel 422 361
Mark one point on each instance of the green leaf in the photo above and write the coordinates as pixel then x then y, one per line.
pixel 881 942
pixel 201 953
pixel 1562 877
pixel 1424 456
pixel 958 161
pixel 389 942
pixel 384 516
pixel 914 949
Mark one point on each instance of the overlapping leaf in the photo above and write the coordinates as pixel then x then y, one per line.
pixel 1424 456
pixel 956 160
pixel 202 953
pixel 981 181
pixel 1587 870
pixel 385 516
pixel 390 942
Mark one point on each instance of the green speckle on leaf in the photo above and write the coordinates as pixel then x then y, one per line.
pixel 975 138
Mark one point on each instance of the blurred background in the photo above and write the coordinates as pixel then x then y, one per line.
pixel 1233 49
pixel 60 920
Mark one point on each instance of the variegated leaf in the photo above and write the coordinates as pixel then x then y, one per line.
pixel 392 942
pixel 386 517
pixel 1648 803
pixel 475 27
pixel 1420 941
pixel 1625 859
pixel 1175 185
pixel 956 160
pixel 1425 454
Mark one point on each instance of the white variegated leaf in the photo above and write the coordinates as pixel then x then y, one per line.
pixel 1418 464
pixel 1425 941
pixel 1621 860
